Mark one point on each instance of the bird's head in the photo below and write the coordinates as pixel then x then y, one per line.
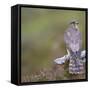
pixel 74 24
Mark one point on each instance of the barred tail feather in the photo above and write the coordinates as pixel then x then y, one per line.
pixel 76 67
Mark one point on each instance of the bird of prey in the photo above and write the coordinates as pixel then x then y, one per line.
pixel 73 41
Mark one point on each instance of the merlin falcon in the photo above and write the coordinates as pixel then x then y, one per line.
pixel 73 41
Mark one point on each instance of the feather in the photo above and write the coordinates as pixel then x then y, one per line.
pixel 62 60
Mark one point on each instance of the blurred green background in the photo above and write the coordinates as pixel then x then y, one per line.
pixel 42 36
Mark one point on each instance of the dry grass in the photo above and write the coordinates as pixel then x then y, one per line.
pixel 57 72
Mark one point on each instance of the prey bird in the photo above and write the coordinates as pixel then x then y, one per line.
pixel 76 57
